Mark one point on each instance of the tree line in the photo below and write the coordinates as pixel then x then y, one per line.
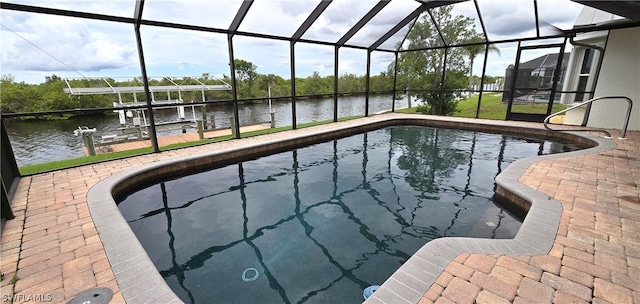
pixel 421 72
pixel 21 97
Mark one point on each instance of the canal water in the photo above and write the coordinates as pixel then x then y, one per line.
pixel 35 142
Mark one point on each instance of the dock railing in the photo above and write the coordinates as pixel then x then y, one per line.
pixel 588 102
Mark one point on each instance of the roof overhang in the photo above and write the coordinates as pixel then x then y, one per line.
pixel 629 9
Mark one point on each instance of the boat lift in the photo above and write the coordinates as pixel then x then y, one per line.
pixel 139 120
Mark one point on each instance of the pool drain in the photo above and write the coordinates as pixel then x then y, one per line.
pixel 100 295
pixel 369 291
pixel 248 272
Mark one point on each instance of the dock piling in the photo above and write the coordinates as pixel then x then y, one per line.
pixel 200 126
pixel 87 139
pixel 273 119
pixel 232 125
pixel 203 110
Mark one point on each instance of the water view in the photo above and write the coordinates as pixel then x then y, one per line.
pixel 36 142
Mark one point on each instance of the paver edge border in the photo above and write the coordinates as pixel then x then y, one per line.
pixel 129 260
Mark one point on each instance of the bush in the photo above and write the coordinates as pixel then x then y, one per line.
pixel 423 108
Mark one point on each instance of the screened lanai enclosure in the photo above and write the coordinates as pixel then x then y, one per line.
pixel 279 64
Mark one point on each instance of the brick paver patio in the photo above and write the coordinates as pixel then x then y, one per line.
pixel 53 248
pixel 596 254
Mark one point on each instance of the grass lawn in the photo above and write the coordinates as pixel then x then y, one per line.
pixel 492 107
pixel 56 165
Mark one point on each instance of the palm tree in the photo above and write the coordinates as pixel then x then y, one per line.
pixel 474 50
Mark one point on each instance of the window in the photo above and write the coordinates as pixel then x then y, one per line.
pixel 583 77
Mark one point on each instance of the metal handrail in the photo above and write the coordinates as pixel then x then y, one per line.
pixel 624 127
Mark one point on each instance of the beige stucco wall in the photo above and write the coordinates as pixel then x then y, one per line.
pixel 574 117
pixel 620 75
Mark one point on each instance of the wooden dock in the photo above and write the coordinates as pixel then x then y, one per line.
pixel 171 139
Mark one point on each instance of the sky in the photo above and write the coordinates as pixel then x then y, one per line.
pixel 37 45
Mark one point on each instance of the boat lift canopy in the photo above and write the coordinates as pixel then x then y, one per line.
pixel 110 89
pixel 179 104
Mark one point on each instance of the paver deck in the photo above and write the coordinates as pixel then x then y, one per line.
pixel 54 250
pixel 596 254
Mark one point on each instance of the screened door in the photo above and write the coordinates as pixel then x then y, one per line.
pixel 535 78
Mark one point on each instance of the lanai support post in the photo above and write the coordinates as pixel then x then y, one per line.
pixel 484 70
pixel 233 28
pixel 296 36
pixel 292 53
pixel 234 92
pixel 335 83
pixel 395 82
pixel 145 80
pixel 367 85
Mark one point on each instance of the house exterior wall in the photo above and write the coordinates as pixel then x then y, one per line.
pixel 619 76
pixel 574 117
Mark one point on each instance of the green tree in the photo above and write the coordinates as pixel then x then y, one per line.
pixel 263 82
pixel 52 79
pixel 351 83
pixel 475 50
pixel 16 97
pixel 427 157
pixel 382 82
pixel 423 69
pixel 245 70
pixel 246 73
pixel 316 84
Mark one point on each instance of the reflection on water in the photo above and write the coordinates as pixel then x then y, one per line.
pixel 324 222
pixel 36 142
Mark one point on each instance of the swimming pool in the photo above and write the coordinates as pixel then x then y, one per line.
pixel 323 222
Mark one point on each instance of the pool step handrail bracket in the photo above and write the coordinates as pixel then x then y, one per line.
pixel 608 135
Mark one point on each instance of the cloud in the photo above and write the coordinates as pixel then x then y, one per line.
pixel 563 18
pixel 281 18
pixel 64 39
pixel 270 56
pixel 109 49
pixel 352 61
pixel 310 57
pixel 115 8
pixel 384 21
pixel 392 42
pixel 257 42
pixel 506 19
pixel 368 36
pixel 393 13
pixel 165 48
pixel 388 20
pixel 342 13
pixel 340 17
pixel 296 8
pixel 337 19
pixel 328 31
pixel 382 57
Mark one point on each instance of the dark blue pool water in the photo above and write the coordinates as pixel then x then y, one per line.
pixel 321 223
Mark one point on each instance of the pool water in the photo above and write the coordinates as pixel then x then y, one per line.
pixel 320 224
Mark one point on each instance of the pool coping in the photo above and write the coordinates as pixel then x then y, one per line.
pixel 140 282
